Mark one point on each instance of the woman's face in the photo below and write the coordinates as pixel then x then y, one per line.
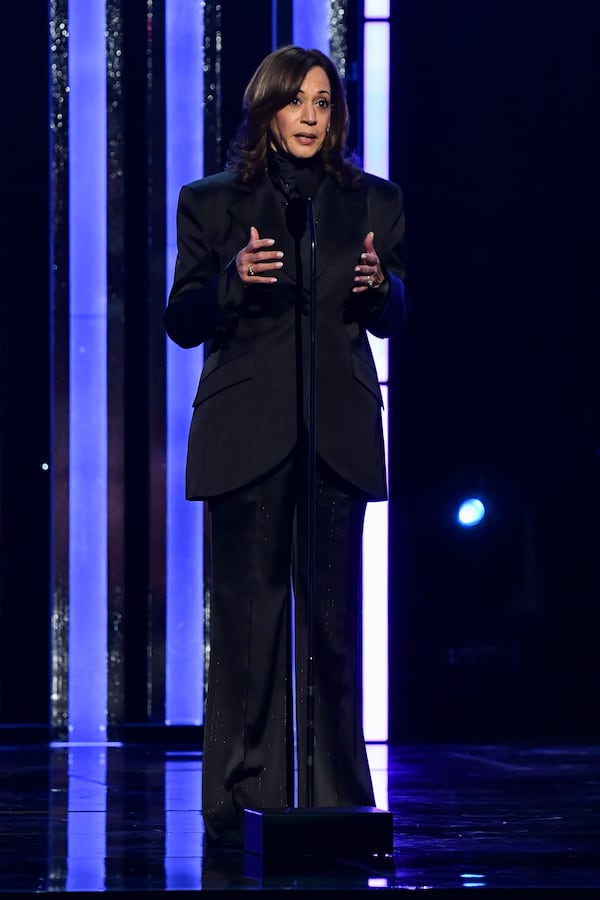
pixel 300 127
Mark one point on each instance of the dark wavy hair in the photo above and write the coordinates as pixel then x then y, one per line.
pixel 275 83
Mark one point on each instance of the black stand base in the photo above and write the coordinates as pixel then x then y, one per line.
pixel 323 832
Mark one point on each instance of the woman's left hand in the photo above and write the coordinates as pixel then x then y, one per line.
pixel 368 274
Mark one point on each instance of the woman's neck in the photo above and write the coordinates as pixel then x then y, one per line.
pixel 280 162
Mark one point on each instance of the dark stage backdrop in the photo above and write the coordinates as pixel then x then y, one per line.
pixel 24 372
pixel 495 387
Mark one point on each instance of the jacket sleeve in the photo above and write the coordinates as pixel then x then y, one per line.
pixel 205 295
pixel 387 306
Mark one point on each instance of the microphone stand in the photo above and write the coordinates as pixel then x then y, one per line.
pixel 311 508
pixel 280 836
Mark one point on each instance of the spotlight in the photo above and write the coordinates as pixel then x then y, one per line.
pixel 471 512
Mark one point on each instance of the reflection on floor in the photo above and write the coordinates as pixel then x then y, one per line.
pixel 127 819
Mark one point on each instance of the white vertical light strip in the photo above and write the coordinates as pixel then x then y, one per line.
pixel 311 24
pixel 377 754
pixel 375 615
pixel 377 9
pixel 184 56
pixel 375 541
pixel 88 479
pixel 376 110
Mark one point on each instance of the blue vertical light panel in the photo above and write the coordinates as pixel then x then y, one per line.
pixel 87 360
pixel 311 24
pixel 376 113
pixel 184 37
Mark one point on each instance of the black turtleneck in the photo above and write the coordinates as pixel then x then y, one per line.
pixel 295 176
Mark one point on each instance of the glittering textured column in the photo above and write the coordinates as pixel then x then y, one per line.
pixel 156 278
pixel 60 366
pixel 212 136
pixel 115 372
pixel 213 162
pixel 338 27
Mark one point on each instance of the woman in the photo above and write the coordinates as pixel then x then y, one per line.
pixel 240 285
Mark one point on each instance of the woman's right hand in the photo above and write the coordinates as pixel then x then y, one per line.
pixel 254 259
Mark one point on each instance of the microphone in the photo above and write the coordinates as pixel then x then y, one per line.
pixel 305 187
pixel 307 182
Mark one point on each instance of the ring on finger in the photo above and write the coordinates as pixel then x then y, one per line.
pixel 250 271
pixel 370 281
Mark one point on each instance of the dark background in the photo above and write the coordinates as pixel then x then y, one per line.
pixel 495 386
pixel 24 374
pixel 494 383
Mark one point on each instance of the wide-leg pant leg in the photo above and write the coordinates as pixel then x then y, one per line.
pixel 341 770
pixel 248 729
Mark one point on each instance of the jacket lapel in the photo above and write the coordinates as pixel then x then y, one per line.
pixel 262 206
pixel 341 215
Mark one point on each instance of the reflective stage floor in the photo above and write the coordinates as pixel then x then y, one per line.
pixel 126 819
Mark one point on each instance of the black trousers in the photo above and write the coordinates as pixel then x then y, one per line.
pixel 258 537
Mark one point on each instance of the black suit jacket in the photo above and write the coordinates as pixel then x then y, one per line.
pixel 245 413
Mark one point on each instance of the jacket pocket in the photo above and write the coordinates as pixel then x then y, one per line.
pixel 367 376
pixel 218 376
